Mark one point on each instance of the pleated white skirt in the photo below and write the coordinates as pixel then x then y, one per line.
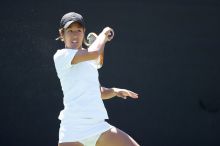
pixel 77 130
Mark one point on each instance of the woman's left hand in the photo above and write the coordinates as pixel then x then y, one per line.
pixel 124 93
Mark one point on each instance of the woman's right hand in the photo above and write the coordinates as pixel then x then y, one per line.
pixel 109 33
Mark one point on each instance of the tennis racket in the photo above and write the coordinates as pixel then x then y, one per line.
pixel 91 37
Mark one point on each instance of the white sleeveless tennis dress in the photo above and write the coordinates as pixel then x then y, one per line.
pixel 84 112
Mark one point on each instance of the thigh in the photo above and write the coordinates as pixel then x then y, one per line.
pixel 70 144
pixel 116 137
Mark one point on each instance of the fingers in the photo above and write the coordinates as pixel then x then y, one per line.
pixel 124 97
pixel 109 33
pixel 125 93
pixel 132 94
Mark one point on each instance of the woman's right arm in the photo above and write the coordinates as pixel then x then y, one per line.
pixel 95 49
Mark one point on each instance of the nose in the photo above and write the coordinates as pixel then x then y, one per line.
pixel 76 34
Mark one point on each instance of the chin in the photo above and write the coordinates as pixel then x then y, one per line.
pixel 74 47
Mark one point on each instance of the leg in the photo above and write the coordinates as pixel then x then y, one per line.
pixel 116 137
pixel 70 144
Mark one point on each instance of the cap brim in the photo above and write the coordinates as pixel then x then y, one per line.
pixel 70 22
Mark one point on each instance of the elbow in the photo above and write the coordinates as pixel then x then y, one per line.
pixel 95 54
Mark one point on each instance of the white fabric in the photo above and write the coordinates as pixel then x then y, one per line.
pixel 81 90
pixel 70 132
pixel 91 141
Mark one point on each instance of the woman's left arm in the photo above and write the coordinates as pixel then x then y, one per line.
pixel 108 93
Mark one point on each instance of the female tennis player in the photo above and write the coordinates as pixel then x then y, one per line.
pixel 83 117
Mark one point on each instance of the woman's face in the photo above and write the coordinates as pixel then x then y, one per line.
pixel 73 36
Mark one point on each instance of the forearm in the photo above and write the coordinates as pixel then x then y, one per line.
pixel 107 93
pixel 105 36
pixel 99 44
